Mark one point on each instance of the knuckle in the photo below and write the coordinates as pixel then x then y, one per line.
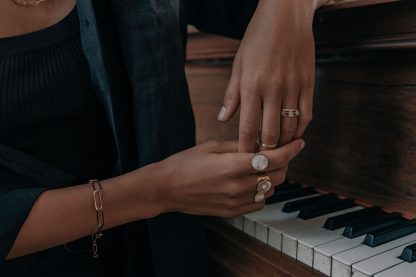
pixel 233 191
pixel 269 137
pixel 277 84
pixel 230 162
pixel 252 83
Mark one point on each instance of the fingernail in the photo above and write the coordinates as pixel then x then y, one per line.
pixel 302 145
pixel 221 115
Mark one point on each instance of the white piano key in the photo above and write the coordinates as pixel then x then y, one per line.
pixel 322 254
pixel 378 263
pixel 307 244
pixel 276 231
pixel 404 269
pixel 290 237
pixel 262 226
pixel 237 222
pixel 342 262
pixel 270 213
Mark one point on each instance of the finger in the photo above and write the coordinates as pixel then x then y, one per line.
pixel 277 158
pixel 249 122
pixel 232 94
pixel 249 184
pixel 270 129
pixel 305 108
pixel 288 125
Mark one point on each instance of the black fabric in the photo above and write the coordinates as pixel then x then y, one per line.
pixel 135 53
pixel 48 108
pixel 53 132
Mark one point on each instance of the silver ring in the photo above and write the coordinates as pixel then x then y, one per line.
pixel 259 162
pixel 290 112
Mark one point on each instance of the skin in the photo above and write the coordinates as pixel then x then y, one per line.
pixel 273 71
pixel 209 179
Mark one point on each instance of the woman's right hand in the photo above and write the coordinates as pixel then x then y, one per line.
pixel 213 179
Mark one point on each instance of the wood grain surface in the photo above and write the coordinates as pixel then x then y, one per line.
pixel 362 140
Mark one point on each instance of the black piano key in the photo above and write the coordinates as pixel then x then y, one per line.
pixel 287 186
pixel 329 207
pixel 343 220
pixel 409 253
pixel 297 205
pixel 402 229
pixel 290 194
pixel 373 224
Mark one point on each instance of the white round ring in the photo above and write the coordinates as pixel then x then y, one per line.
pixel 259 162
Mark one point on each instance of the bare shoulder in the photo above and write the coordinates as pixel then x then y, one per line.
pixel 16 19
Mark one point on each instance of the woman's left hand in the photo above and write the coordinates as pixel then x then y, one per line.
pixel 274 69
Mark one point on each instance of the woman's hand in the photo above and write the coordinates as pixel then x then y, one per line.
pixel 274 69
pixel 212 179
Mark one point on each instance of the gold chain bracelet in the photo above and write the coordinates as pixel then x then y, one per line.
pixel 98 205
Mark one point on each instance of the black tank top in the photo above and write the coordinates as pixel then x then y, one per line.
pixel 48 108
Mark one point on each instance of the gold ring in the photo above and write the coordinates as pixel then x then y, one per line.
pixel 264 184
pixel 290 112
pixel 269 146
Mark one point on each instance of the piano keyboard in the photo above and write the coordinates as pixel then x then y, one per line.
pixel 336 237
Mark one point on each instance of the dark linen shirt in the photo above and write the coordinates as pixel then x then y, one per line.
pixel 136 55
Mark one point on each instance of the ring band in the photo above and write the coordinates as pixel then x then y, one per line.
pixel 259 162
pixel 269 146
pixel 264 184
pixel 290 112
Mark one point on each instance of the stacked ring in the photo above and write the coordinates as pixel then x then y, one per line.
pixel 263 185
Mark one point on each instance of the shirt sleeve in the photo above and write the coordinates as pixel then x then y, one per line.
pixel 222 17
pixel 17 197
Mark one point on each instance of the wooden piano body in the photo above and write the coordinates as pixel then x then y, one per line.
pixel 362 140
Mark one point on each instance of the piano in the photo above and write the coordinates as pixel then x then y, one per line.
pixel 349 208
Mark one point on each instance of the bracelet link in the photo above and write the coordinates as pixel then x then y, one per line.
pixel 98 205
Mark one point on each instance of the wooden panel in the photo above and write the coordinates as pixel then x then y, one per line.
pixel 390 25
pixel 361 142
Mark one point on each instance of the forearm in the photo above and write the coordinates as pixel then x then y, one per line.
pixel 67 214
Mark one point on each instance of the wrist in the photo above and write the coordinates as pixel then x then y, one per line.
pixel 142 190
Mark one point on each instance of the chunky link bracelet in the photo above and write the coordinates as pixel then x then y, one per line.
pixel 98 205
